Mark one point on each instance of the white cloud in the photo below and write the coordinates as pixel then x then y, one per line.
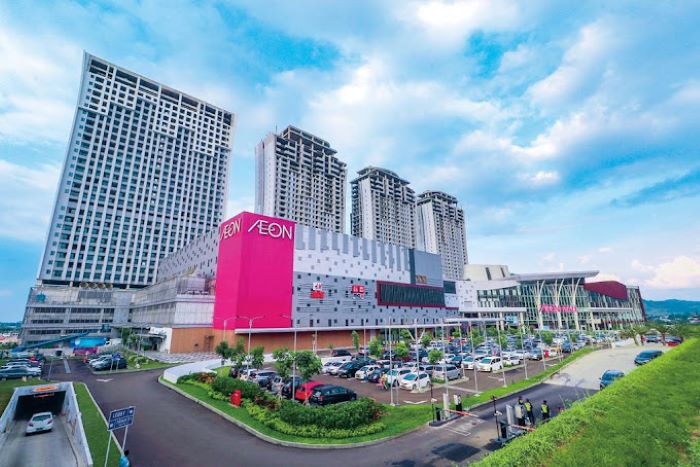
pixel 679 273
pixel 584 259
pixel 542 177
pixel 606 276
pixel 235 206
pixel 605 249
pixel 26 200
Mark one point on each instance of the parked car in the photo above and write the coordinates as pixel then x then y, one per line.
pixel 348 369
pixel 647 356
pixel 236 372
pixel 305 390
pixel 25 362
pixel 328 394
pixel 673 341
pixel 426 369
pixel 99 360
pixel 328 366
pixel 652 338
pixel 40 422
pixel 446 372
pixel 341 353
pixel 276 385
pixel 609 377
pixel 248 374
pixel 364 372
pixel 333 369
pixel 393 377
pixel 490 364
pixel 535 354
pixel 374 376
pixel 469 362
pixel 32 370
pixel 413 381
pixel 511 360
pixel 14 373
pixel 111 364
pixel 264 378
pixel 287 386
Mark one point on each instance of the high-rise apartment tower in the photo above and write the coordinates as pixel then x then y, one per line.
pixel 383 207
pixel 298 177
pixel 440 229
pixel 145 173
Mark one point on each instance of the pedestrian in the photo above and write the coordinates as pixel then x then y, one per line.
pixel 545 411
pixel 458 405
pixel 520 415
pixel 124 460
pixel 385 382
pixel 530 413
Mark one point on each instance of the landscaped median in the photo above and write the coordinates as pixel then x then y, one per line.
pixel 95 428
pixel 350 423
pixel 646 418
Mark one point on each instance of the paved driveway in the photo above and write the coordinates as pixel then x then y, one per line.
pixel 50 449
pixel 585 373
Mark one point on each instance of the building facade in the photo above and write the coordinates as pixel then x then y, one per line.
pixel 440 229
pixel 145 173
pixel 383 207
pixel 298 177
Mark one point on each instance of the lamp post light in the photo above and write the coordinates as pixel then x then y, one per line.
pixel 294 359
pixel 250 327
pixel 225 323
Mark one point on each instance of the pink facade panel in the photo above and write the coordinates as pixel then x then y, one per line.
pixel 254 272
pixel 612 289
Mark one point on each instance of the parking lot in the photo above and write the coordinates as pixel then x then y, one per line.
pixel 465 386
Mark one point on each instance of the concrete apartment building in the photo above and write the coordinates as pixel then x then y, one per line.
pixel 145 173
pixel 383 207
pixel 440 229
pixel 299 178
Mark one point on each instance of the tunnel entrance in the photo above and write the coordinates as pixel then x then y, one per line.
pixel 42 399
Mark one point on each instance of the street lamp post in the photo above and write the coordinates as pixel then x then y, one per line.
pixel 294 359
pixel 495 414
pixel 500 350
pixel 250 327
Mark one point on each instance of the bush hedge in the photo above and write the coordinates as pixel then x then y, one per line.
pixel 272 420
pixel 226 386
pixel 347 415
pixel 645 418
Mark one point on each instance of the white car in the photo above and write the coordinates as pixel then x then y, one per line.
pixel 335 366
pixel 42 421
pixel 490 364
pixel 446 359
pixel 364 372
pixel 414 381
pixel 32 370
pixel 511 360
pixel 393 377
pixel 325 369
pixel 469 362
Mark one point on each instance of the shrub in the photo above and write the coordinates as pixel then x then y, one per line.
pixel 347 415
pixel 193 377
pixel 226 386
pixel 272 420
pixel 218 396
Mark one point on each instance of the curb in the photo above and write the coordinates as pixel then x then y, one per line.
pixel 119 372
pixel 279 442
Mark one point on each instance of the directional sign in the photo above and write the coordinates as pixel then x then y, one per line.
pixel 121 418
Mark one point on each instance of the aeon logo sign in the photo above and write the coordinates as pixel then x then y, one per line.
pixel 271 229
pixel 261 226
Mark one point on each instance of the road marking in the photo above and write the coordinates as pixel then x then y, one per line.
pixel 415 403
pixel 66 366
pixel 106 380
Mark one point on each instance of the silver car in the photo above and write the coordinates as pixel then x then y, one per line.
pixel 446 372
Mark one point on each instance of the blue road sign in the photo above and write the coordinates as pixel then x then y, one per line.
pixel 121 418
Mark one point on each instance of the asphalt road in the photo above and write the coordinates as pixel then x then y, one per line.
pixel 50 449
pixel 171 430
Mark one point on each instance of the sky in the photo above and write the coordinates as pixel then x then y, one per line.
pixel 569 131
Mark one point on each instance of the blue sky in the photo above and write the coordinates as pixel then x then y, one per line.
pixel 568 130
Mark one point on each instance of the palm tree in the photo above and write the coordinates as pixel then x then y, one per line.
pixel 629 333
pixel 664 329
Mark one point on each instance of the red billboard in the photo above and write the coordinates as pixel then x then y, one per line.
pixel 254 272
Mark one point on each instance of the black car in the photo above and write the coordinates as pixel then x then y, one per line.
pixel 349 369
pixel 328 394
pixel 287 386
pixel 14 373
pixel 652 338
pixel 647 356
pixel 340 353
pixel 264 378
pixel 111 364
pixel 374 376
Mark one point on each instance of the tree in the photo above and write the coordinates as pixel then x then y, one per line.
pixel 257 357
pixel 456 332
pixel 425 340
pixel 331 347
pixel 477 340
pixel 376 348
pixel 664 329
pixel 284 361
pixel 629 333
pixel 308 364
pixel 434 356
pixel 547 337
pixel 356 341
pixel 401 350
pixel 238 354
pixel 125 333
pixel 223 350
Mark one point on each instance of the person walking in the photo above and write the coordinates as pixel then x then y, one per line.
pixel 545 411
pixel 530 413
pixel 124 460
pixel 458 404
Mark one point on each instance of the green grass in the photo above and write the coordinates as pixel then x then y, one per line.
pixel 649 417
pixel 95 428
pixel 8 387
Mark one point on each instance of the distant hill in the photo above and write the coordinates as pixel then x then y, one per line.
pixel 671 307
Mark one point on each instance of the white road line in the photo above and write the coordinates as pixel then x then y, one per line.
pixel 66 366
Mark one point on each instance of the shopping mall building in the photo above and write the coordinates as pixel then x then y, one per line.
pixel 271 281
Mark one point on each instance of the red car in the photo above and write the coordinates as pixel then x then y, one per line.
pixel 305 390
pixel 672 341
